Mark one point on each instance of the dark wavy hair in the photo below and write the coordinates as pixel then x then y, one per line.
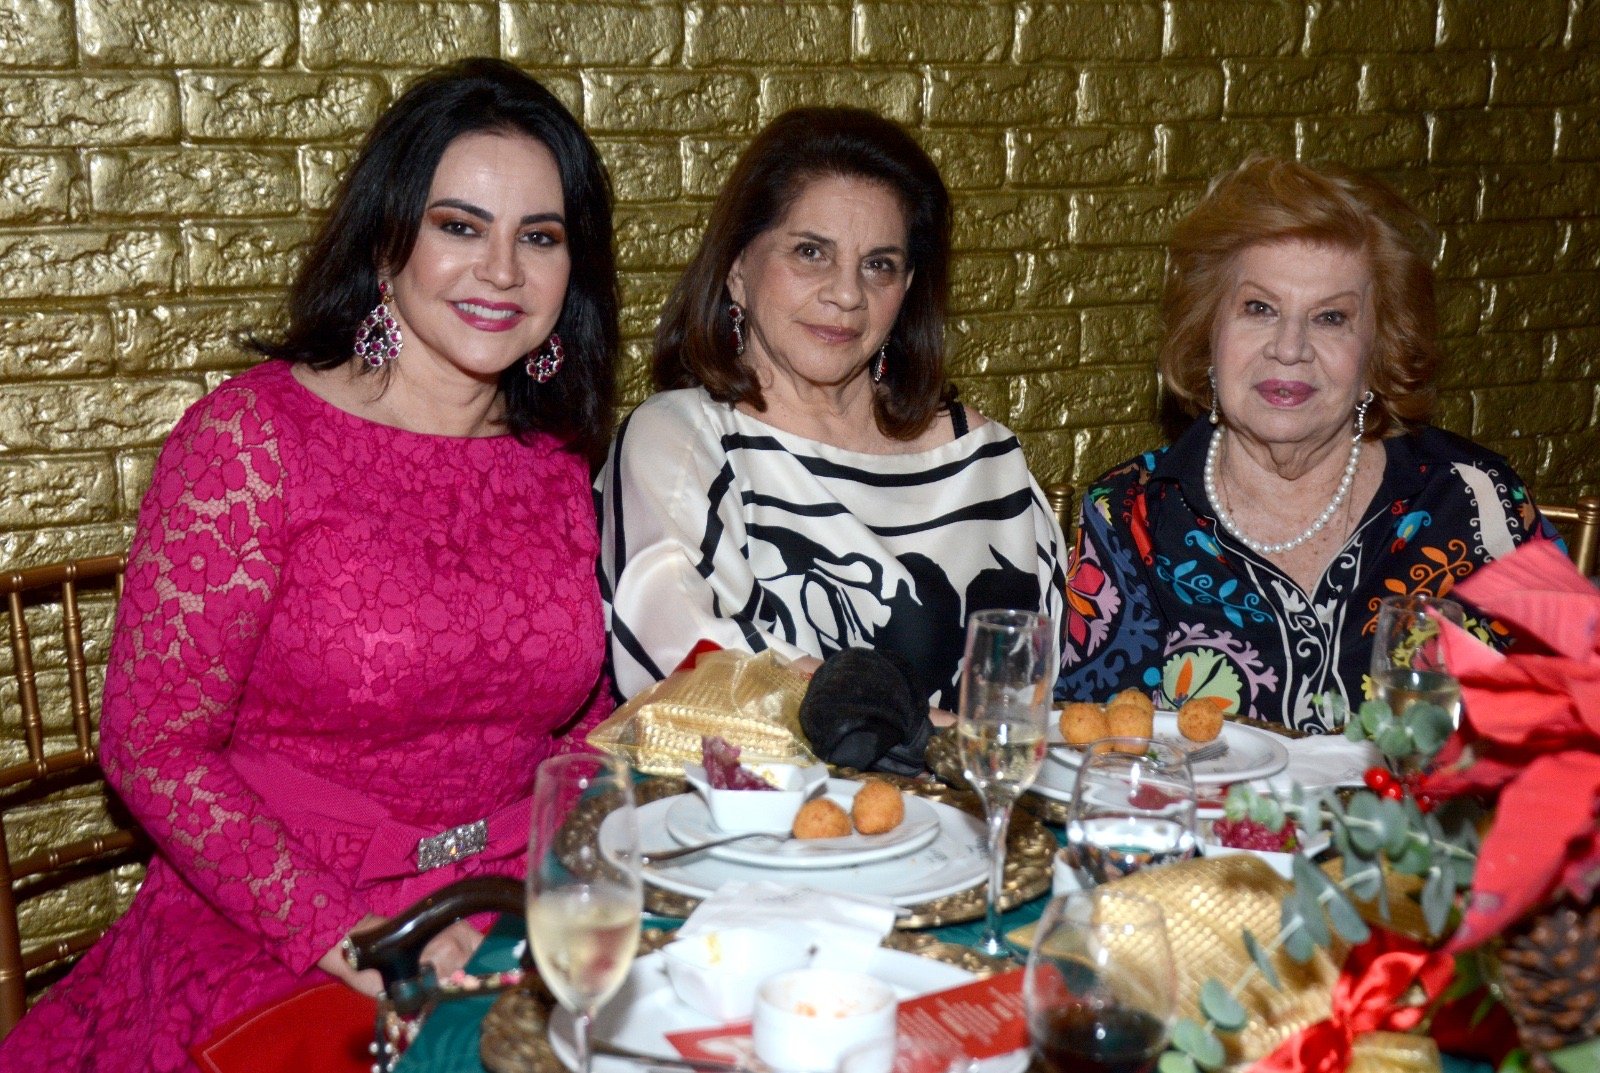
pixel 1271 199
pixel 694 341
pixel 378 211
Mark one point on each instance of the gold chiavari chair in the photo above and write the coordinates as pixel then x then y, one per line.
pixel 67 858
pixel 1580 525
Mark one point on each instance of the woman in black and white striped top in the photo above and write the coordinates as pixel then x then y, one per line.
pixel 805 481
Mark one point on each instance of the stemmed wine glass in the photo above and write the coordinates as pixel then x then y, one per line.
pixel 1100 987
pixel 1407 664
pixel 1006 679
pixel 1133 806
pixel 584 906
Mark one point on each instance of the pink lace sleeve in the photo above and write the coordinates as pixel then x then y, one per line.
pixel 201 577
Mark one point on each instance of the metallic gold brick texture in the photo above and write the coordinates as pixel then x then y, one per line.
pixel 162 162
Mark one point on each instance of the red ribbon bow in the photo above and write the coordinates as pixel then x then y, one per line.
pixel 1365 999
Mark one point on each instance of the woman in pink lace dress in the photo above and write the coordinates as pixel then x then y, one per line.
pixel 361 604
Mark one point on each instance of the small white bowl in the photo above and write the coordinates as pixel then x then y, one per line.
pixel 1282 863
pixel 807 1019
pixel 717 972
pixel 771 811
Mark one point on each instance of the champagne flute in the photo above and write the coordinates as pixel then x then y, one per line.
pixel 1100 987
pixel 584 906
pixel 1006 678
pixel 1407 661
pixel 1133 807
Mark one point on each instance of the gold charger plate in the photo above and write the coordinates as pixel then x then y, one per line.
pixel 1029 846
pixel 514 1039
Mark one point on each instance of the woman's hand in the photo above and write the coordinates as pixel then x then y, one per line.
pixel 367 981
pixel 447 953
pixel 450 950
pixel 941 718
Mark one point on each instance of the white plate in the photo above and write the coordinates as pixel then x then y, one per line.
pixel 953 861
pixel 1252 754
pixel 688 821
pixel 641 1014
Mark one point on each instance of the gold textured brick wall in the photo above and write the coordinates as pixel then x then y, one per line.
pixel 161 162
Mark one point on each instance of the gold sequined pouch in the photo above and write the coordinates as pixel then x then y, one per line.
pixel 752 701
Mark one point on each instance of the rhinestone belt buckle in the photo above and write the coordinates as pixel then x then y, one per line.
pixel 450 846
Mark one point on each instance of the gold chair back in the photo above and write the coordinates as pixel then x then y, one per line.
pixel 68 861
pixel 1580 525
pixel 1060 496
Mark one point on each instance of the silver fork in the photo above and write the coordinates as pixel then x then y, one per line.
pixel 658 856
pixel 1209 751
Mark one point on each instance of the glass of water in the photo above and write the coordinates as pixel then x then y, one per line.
pixel 1006 681
pixel 1407 661
pixel 1133 807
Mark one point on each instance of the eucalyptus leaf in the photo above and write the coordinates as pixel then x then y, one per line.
pixel 1375 715
pixel 1268 812
pixel 1263 962
pixel 1437 897
pixel 1353 731
pixel 1223 1009
pixel 1396 828
pixel 1193 1039
pixel 1296 943
pixel 1365 881
pixel 1346 921
pixel 1414 859
pixel 1365 833
pixel 1430 726
pixel 1394 741
pixel 1176 1062
pixel 1311 815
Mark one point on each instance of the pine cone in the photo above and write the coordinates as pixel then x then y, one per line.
pixel 1550 973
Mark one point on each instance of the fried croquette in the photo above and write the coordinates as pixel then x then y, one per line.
pixel 1134 696
pixel 1082 722
pixel 1201 719
pixel 821 818
pixel 877 808
pixel 1130 720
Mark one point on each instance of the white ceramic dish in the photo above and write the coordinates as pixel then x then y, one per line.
pixel 735 812
pixel 716 972
pixel 1252 754
pixel 1282 863
pixel 807 1019
pixel 689 822
pixel 641 1014
pixel 953 861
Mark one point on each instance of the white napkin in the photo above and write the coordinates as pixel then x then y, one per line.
pixel 1326 760
pixel 841 927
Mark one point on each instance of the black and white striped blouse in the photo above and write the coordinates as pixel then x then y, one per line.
pixel 719 527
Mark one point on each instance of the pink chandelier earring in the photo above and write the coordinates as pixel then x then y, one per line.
pixel 736 314
pixel 545 362
pixel 378 338
pixel 880 364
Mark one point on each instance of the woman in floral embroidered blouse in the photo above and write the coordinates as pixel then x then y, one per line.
pixel 1246 560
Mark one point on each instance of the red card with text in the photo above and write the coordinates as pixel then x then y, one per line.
pixel 981 1019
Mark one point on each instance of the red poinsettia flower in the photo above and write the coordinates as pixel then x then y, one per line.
pixel 1530 733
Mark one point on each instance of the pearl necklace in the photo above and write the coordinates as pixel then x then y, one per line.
pixel 1316 527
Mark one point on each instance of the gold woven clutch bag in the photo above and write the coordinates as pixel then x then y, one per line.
pixel 750 701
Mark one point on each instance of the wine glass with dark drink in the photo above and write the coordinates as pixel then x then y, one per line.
pixel 1133 807
pixel 1100 987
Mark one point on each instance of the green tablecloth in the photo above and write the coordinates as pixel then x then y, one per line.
pixel 449 1041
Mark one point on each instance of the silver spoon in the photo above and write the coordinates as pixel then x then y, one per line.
pixel 658 856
